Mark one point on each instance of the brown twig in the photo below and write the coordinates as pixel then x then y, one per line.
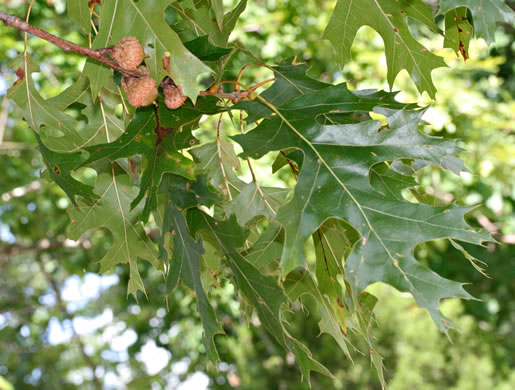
pixel 98 54
pixel 236 95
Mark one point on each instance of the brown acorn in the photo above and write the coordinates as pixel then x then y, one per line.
pixel 128 53
pixel 127 81
pixel 141 91
pixel 174 97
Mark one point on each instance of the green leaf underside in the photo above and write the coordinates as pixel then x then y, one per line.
pixel 261 291
pixel 55 128
pixel 111 210
pixel 335 182
pixel 254 201
pixel 388 18
pixel 145 20
pixel 485 13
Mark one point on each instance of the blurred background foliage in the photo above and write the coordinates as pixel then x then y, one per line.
pixel 64 327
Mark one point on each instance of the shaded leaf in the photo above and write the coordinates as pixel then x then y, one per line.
pixel 204 50
pixel 291 81
pixel 185 265
pixel 267 248
pixel 60 166
pixel 200 22
pixel 261 291
pixel 141 138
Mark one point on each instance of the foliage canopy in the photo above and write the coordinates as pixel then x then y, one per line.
pixel 352 156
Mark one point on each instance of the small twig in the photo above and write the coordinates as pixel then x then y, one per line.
pixel 236 95
pixel 67 46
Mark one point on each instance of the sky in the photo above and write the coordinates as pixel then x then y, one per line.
pixel 77 293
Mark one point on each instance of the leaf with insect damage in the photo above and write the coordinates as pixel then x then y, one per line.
pixel 485 13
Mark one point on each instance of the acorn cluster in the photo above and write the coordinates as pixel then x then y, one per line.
pixel 142 90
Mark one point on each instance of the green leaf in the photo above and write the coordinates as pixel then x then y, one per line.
pixel 204 50
pixel 485 13
pixel 182 193
pixel 111 210
pixel 268 247
pixel 200 22
pixel 78 11
pixel 458 31
pixel 261 291
pixel 254 201
pixel 57 130
pixel 333 243
pixel 141 138
pixel 388 182
pixel 159 145
pixel 291 81
pixel 217 161
pixel 60 166
pixel 218 8
pixel 145 20
pixel 335 183
pixel 388 18
pixel 300 282
pixel 185 265
pixel 97 73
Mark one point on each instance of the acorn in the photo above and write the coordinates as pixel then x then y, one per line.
pixel 128 53
pixel 174 97
pixel 141 91
pixel 128 80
